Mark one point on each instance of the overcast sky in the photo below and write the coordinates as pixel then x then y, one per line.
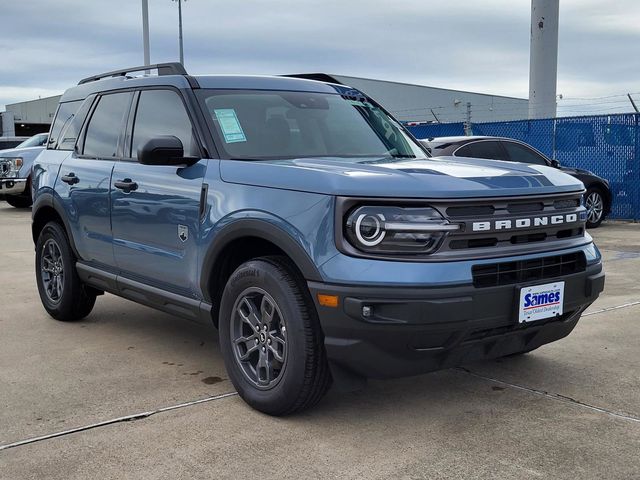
pixel 47 46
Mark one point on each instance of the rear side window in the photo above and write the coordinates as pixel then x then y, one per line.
pixel 161 112
pixel 106 123
pixel 523 154
pixel 489 150
pixel 64 115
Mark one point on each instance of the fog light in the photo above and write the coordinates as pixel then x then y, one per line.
pixel 367 311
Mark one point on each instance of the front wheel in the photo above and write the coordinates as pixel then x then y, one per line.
pixel 62 293
pixel 271 339
pixel 19 201
pixel 594 202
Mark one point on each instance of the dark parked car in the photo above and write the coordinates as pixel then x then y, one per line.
pixel 597 197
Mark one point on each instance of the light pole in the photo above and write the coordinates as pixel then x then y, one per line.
pixel 145 31
pixel 180 29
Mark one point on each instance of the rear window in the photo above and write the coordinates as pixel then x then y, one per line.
pixel 106 124
pixel 483 149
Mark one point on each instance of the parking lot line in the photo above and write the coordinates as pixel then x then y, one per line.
pixel 126 418
pixel 553 396
pixel 607 309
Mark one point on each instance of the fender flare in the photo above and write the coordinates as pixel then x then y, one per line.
pixel 259 228
pixel 49 200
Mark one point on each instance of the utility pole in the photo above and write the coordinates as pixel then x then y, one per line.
pixel 145 31
pixel 468 131
pixel 543 61
pixel 180 29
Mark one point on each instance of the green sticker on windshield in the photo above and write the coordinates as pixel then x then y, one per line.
pixel 230 125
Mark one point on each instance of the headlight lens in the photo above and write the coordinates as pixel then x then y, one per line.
pixel 396 230
pixel 11 166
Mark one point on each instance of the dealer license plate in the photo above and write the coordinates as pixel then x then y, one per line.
pixel 540 301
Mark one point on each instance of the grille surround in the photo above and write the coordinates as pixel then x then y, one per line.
pixel 466 244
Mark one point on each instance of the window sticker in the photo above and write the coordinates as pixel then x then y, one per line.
pixel 230 125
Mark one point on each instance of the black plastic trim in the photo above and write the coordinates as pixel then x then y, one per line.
pixel 169 302
pixel 260 229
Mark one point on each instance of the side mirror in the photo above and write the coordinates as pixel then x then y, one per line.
pixel 555 163
pixel 163 150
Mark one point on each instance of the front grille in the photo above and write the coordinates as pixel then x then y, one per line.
pixel 508 273
pixel 493 227
pixel 4 168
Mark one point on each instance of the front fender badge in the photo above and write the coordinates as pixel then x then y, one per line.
pixel 183 233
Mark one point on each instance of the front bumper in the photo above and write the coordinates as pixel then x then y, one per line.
pixel 417 330
pixel 12 186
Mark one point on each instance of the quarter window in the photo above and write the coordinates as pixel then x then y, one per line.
pixel 64 115
pixel 105 125
pixel 161 112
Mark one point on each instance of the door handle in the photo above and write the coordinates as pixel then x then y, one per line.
pixel 126 185
pixel 70 178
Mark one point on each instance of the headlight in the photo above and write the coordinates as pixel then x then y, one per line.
pixel 12 166
pixel 396 230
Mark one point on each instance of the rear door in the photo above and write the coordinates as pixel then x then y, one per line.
pixel 84 179
pixel 155 209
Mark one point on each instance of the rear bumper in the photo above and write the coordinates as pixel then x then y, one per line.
pixel 12 186
pixel 417 330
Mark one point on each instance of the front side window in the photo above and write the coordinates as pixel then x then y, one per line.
pixel 263 125
pixel 161 112
pixel 106 123
pixel 521 153
pixel 484 149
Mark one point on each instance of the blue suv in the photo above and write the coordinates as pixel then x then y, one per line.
pixel 315 232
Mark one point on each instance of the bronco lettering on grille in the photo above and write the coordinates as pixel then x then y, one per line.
pixel 524 222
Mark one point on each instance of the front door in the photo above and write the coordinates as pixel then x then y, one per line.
pixel 155 209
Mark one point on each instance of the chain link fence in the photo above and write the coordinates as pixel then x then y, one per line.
pixel 607 145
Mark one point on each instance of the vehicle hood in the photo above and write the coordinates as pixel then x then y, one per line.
pixel 577 171
pixel 18 152
pixel 438 177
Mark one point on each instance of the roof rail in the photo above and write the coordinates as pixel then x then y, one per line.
pixel 172 68
pixel 320 77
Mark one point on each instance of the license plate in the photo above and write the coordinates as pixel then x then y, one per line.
pixel 538 302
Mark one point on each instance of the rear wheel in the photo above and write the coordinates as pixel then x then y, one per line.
pixel 271 339
pixel 594 202
pixel 19 201
pixel 62 293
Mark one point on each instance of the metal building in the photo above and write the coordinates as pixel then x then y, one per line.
pixel 420 103
pixel 407 102
pixel 28 118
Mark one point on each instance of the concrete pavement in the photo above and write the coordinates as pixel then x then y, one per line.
pixel 567 410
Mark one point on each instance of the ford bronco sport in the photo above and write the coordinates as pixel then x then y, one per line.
pixel 308 225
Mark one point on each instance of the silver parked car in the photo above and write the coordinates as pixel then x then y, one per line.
pixel 15 170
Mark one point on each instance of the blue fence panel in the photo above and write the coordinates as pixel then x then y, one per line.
pixel 608 145
pixel 438 130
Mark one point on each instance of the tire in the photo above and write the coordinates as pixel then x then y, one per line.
pixel 594 201
pixel 519 354
pixel 282 369
pixel 62 293
pixel 19 201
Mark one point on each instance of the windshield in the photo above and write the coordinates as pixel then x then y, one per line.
pixel 35 141
pixel 265 125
